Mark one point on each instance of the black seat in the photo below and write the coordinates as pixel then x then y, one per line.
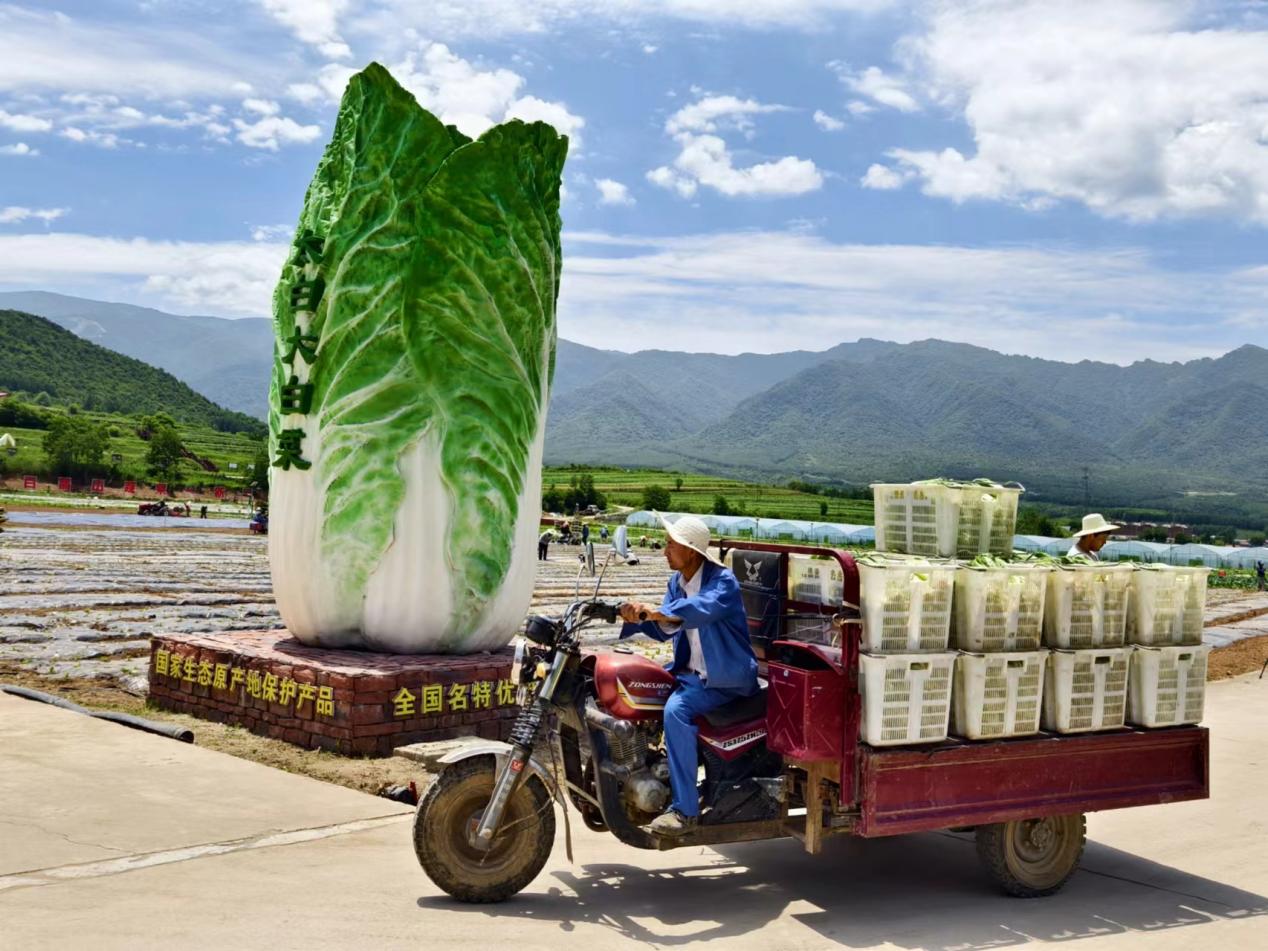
pixel 738 711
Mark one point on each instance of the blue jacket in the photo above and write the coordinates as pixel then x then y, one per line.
pixel 717 612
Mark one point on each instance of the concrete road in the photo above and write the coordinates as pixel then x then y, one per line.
pixel 111 838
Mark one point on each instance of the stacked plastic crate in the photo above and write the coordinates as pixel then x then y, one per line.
pixel 905 668
pixel 1085 623
pixel 1167 657
pixel 999 671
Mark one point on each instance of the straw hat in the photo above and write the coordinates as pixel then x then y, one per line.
pixel 1095 524
pixel 690 531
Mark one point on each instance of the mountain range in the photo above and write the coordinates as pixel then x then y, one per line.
pixel 864 411
pixel 45 360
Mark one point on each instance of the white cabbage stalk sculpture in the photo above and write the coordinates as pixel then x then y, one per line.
pixel 415 345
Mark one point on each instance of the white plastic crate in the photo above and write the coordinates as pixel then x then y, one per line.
pixel 905 603
pixel 997 695
pixel 1167 605
pixel 906 698
pixel 1168 685
pixel 941 520
pixel 1086 606
pixel 1085 690
pixel 815 580
pixel 999 609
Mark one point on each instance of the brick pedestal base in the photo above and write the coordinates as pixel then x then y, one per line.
pixel 351 702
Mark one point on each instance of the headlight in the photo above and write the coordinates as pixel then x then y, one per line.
pixel 541 630
pixel 517 665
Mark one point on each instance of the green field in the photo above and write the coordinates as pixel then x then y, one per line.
pixel 221 449
pixel 625 487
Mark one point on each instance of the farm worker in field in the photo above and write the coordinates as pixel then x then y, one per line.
pixel 1095 533
pixel 1260 574
pixel 713 660
pixel 585 533
pixel 543 542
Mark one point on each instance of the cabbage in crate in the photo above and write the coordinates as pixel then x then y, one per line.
pixel 415 326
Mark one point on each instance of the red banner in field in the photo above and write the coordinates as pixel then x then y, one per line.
pixel 218 491
pixel 130 488
pixel 28 482
pixel 161 488
pixel 63 483
pixel 99 485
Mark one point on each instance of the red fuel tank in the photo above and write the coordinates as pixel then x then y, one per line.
pixel 631 687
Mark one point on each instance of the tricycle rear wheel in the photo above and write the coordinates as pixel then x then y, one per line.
pixel 1029 858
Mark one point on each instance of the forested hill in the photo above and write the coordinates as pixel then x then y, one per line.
pixel 37 356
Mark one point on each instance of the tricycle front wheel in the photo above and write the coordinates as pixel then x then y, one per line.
pixel 1029 858
pixel 451 809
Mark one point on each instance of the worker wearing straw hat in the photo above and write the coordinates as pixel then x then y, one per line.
pixel 1092 538
pixel 713 661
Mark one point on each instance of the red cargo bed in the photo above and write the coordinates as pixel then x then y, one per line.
pixel 968 784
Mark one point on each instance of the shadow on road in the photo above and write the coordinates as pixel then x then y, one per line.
pixel 923 891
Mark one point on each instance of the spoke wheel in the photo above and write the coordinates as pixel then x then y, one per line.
pixel 1028 858
pixel 450 810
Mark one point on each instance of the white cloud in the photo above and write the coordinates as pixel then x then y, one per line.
pixel 263 107
pixel 272 132
pixel 18 148
pixel 233 278
pixel 753 290
pixel 1138 109
pixel 314 21
pixel 649 49
pixel 487 19
pixel 464 94
pixel 826 122
pixel 105 140
pixel 878 86
pixel 882 178
pixel 271 232
pixel 15 214
pixel 705 114
pixel 612 192
pixel 306 93
pixel 24 123
pixel 770 291
pixel 42 50
pixel 532 109
pixel 705 159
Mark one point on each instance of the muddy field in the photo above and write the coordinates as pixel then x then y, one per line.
pixel 80 596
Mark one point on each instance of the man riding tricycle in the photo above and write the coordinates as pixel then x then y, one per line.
pixel 625 742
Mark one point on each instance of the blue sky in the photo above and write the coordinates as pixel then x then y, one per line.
pixel 1073 180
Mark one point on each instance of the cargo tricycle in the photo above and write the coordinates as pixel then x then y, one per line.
pixel 785 763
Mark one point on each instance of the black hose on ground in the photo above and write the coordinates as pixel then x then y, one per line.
pixel 184 734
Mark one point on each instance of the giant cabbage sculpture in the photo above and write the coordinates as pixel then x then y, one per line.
pixel 415 325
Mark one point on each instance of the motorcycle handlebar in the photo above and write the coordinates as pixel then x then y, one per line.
pixel 611 613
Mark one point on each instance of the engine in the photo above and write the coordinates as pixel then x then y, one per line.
pixel 645 788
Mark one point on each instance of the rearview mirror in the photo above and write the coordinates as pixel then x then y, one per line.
pixel 589 557
pixel 621 542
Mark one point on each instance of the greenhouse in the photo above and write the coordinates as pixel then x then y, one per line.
pixel 836 533
pixel 1145 552
pixel 831 533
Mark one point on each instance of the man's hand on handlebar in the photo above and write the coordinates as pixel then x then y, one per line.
pixel 635 611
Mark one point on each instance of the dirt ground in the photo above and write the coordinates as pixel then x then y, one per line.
pixel 1242 657
pixel 366 775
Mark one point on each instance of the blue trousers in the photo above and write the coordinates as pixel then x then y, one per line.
pixel 689 700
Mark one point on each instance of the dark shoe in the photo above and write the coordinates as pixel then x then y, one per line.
pixel 672 823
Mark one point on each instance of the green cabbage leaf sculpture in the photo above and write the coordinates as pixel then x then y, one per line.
pixel 415 345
